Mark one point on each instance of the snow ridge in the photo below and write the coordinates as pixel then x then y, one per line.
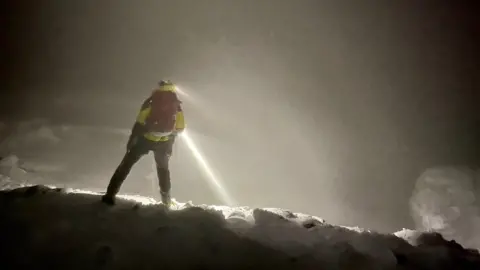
pixel 68 229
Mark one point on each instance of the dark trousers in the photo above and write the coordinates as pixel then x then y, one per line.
pixel 162 152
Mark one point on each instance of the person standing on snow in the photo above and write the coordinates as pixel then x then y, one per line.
pixel 158 123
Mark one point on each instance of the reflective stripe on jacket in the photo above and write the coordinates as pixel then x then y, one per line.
pixel 152 136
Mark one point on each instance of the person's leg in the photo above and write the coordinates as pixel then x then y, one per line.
pixel 162 153
pixel 141 147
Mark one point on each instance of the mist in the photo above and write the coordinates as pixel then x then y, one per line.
pixel 333 108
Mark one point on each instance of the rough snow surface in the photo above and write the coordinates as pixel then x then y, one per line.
pixel 72 229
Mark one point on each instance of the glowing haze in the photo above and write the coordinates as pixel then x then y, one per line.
pixel 331 108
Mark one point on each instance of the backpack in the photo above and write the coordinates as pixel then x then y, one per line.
pixel 164 107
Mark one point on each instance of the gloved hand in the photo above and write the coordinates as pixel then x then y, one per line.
pixel 131 142
pixel 137 131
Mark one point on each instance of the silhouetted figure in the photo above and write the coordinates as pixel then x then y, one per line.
pixel 158 123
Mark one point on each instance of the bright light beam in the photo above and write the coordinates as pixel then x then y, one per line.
pixel 183 94
pixel 213 179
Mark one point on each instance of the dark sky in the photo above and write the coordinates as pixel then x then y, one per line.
pixel 327 107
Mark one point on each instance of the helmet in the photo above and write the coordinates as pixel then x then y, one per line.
pixel 166 85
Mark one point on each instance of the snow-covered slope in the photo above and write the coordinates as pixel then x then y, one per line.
pixel 48 228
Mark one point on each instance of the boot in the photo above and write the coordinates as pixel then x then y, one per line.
pixel 109 200
pixel 130 158
pixel 166 199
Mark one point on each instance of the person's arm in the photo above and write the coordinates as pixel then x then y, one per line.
pixel 138 128
pixel 137 131
pixel 180 120
pixel 146 103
